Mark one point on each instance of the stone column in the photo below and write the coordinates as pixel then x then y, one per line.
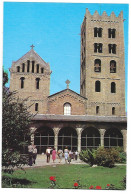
pixel 56 131
pixel 102 133
pixel 124 133
pixel 32 129
pixel 79 130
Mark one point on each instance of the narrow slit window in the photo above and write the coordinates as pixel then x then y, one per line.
pixel 97 109
pixel 28 66
pixel 18 68
pixel 113 110
pixel 33 64
pixel 37 83
pixel 37 68
pixel 36 106
pixel 42 70
pixel 23 67
pixel 22 82
pixel 113 87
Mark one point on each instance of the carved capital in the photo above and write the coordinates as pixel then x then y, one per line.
pixel 56 131
pixel 102 132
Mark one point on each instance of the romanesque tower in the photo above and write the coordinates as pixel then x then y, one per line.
pixel 30 78
pixel 102 64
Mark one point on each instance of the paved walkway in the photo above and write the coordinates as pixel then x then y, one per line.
pixel 41 161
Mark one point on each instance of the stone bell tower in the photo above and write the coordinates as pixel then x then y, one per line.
pixel 30 78
pixel 102 64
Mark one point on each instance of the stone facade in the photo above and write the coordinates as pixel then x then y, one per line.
pixel 35 93
pixel 56 103
pixel 94 117
pixel 95 30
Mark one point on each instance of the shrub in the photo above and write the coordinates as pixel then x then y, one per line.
pixel 102 156
pixel 106 156
pixel 88 156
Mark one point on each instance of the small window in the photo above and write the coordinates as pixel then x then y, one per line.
pixel 97 65
pixel 42 70
pixel 28 66
pixel 113 110
pixel 23 67
pixel 22 82
pixel 37 68
pixel 97 86
pixel 37 83
pixel 33 63
pixel 98 47
pixel 112 48
pixel 112 66
pixel 36 106
pixel 67 109
pixel 111 33
pixel 97 32
pixel 113 87
pixel 97 109
pixel 18 68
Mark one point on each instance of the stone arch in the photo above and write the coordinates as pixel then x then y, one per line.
pixel 90 138
pixel 44 137
pixel 67 136
pixel 113 137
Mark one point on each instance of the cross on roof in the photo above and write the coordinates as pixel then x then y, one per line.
pixel 67 82
pixel 32 46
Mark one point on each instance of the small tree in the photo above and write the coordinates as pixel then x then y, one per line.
pixel 15 129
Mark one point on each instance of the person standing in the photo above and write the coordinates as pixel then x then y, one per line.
pixel 76 155
pixel 60 153
pixel 48 150
pixel 34 154
pixel 30 152
pixel 53 154
pixel 66 154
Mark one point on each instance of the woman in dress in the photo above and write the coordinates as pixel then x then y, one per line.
pixel 53 154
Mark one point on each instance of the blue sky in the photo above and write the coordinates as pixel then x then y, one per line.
pixel 54 29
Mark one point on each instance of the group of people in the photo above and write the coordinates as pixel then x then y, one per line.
pixel 68 154
pixel 32 151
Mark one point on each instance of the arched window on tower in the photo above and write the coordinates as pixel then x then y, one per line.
pixel 23 67
pixel 113 110
pixel 18 68
pixel 113 87
pixel 37 69
pixel 33 65
pixel 37 83
pixel 22 82
pixel 42 70
pixel 28 66
pixel 97 86
pixel 67 108
pixel 97 65
pixel 112 66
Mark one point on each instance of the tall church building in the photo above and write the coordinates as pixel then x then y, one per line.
pixel 95 117
pixel 102 64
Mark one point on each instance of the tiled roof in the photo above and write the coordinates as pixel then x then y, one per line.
pixel 83 118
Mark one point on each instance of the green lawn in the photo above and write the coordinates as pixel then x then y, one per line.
pixel 66 174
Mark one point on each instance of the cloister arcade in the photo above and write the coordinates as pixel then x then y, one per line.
pixel 76 136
